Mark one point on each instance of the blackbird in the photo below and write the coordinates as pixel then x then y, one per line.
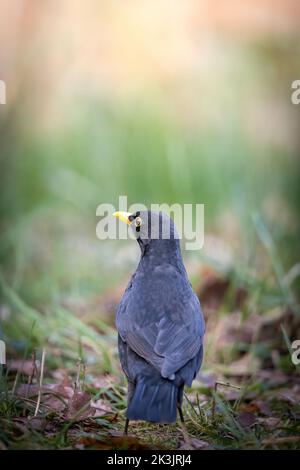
pixel 160 323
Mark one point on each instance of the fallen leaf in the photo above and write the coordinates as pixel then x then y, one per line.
pixel 213 291
pixel 26 390
pixel 291 395
pixel 272 377
pixel 79 407
pixel 122 442
pixel 23 366
pixel 246 419
pixel 269 423
pixel 256 406
pixel 103 381
pixel 101 408
pixel 230 394
pixel 35 422
pixel 194 444
pixel 245 366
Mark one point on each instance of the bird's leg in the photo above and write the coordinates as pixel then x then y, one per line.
pixel 126 426
pixel 180 413
pixel 185 434
pixel 130 392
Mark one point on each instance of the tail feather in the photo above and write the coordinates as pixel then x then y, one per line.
pixel 154 402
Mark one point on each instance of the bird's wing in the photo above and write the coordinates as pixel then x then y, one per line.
pixel 167 328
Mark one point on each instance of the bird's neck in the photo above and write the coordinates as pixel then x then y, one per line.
pixel 159 252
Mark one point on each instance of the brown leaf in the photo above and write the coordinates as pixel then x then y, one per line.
pixel 291 395
pixel 53 403
pixel 245 366
pixel 269 423
pixel 270 327
pixel 61 376
pixel 25 390
pixel 63 389
pixel 263 407
pixel 19 426
pixel 246 419
pixel 23 366
pixel 273 377
pixel 103 381
pixel 213 290
pixel 256 406
pixel 194 444
pixel 127 442
pixel 230 394
pixel 36 423
pixel 79 407
pixel 101 408
pixel 121 442
pixel 54 396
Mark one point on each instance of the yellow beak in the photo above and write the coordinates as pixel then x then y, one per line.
pixel 124 216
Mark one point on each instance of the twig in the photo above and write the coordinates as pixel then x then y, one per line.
pixel 15 383
pixel 83 373
pixel 32 372
pixel 30 377
pixel 41 382
pixel 77 381
pixel 33 402
pixel 223 384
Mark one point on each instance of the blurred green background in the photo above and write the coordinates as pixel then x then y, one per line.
pixel 169 102
pixel 164 102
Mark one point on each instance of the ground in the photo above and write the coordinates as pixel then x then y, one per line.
pixel 71 393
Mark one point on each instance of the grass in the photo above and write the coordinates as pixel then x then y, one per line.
pixel 19 429
pixel 68 335
pixel 59 285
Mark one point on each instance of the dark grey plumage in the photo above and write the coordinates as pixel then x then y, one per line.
pixel 160 326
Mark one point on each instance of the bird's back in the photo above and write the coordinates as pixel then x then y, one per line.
pixel 161 328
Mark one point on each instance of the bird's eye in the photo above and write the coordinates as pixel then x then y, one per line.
pixel 138 221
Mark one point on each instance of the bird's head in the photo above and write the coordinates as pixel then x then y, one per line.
pixel 150 227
